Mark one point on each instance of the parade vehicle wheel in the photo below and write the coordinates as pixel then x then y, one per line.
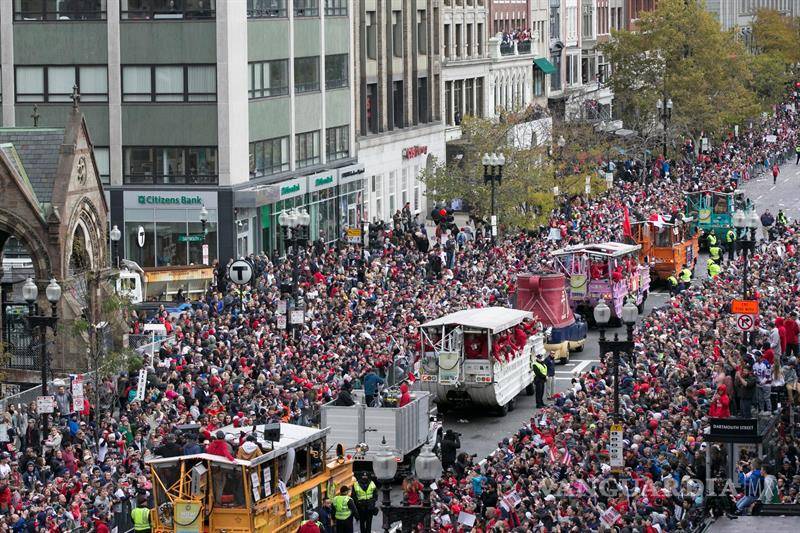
pixel 503 410
pixel 511 404
pixel 565 360
pixel 640 307
pixel 580 347
pixel 530 390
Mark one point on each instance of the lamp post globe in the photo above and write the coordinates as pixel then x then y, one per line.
pixel 427 465
pixel 486 159
pixel 602 313
pixel 30 292
pixel 753 219
pixel 115 234
pixel 204 215
pixel 384 464
pixel 305 218
pixel 739 219
pixel 501 159
pixel 53 291
pixel 630 312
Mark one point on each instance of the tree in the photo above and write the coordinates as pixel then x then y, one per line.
pixel 777 35
pixel 769 78
pixel 679 52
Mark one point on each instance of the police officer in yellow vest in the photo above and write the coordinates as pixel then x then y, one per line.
pixel 715 252
pixel 344 509
pixel 141 517
pixel 711 239
pixel 713 269
pixel 366 496
pixel 539 379
pixel 730 243
pixel 686 277
pixel 673 284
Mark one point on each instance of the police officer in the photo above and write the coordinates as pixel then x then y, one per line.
pixel 715 252
pixel 797 151
pixel 713 269
pixel 686 276
pixel 539 379
pixel 672 281
pixel 711 239
pixel 366 496
pixel 730 243
pixel 782 219
pixel 141 517
pixel 450 445
pixel 344 509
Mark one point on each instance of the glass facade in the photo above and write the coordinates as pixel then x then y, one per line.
pixel 173 236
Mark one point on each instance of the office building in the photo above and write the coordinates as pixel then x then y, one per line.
pixel 239 106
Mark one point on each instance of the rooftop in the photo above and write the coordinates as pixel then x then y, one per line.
pixel 38 150
pixel 495 318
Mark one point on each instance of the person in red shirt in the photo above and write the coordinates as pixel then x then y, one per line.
pixel 792 331
pixel 720 404
pixel 219 447
pixel 412 490
pixel 405 396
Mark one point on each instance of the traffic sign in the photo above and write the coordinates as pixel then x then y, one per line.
pixel 281 321
pixel 744 307
pixel 745 322
pixel 240 272
pixel 615 451
pixel 45 404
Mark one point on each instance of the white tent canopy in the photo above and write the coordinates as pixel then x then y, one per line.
pixel 495 319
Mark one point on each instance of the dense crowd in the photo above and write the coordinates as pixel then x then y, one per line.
pixel 229 363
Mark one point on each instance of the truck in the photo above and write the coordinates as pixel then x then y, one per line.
pixel 666 246
pixel 713 211
pixel 545 295
pixel 161 284
pixel 609 270
pixel 360 429
pixel 477 357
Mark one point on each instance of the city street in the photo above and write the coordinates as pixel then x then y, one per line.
pixel 481 431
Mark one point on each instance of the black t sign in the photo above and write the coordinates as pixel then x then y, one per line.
pixel 240 272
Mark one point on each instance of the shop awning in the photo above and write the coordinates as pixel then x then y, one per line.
pixel 544 65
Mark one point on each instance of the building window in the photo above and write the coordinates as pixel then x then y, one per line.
pixel 459 52
pixel 555 77
pixel 479 97
pixel 55 84
pixel 268 78
pixel 588 22
pixel 480 40
pixel 448 106
pixel 307 149
pixel 306 74
pixel 169 83
pixel 269 157
pixel 555 19
pixel 469 50
pixel 59 10
pixel 167 165
pixel 257 9
pixel 167 9
pixel 397 33
pixel 335 8
pixel 372 35
pixel 372 108
pixel 306 8
pixel 446 41
pixel 422 32
pixel 102 159
pixel 338 143
pixel 423 113
pixel 538 82
pixel 336 68
pixel 398 102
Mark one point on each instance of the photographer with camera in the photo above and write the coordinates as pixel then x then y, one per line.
pixel 451 442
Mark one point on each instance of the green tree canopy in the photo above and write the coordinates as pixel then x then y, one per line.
pixel 679 52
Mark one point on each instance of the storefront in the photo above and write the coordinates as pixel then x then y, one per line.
pixel 164 228
pixel 332 198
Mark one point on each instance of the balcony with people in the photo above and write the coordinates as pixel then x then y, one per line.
pixel 516 42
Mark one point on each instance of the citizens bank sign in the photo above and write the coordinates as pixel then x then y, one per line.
pixel 169 200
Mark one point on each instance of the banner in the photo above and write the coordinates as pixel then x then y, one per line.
pixel 577 284
pixel 77 393
pixel 449 368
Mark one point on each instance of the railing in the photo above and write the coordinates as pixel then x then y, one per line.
pixel 524 47
pixel 507 49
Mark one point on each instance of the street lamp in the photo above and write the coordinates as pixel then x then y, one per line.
pixel 493 173
pixel 556 156
pixel 744 221
pixel 428 469
pixel 602 316
pixel 664 107
pixel 204 220
pixel 295 222
pixel 115 235
pixel 30 292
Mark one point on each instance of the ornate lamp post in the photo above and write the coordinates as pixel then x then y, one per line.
pixel 664 108
pixel 602 316
pixel 115 235
pixel 493 173
pixel 746 241
pixel 30 292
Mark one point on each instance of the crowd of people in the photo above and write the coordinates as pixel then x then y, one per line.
pixel 230 363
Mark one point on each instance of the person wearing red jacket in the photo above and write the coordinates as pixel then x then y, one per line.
pixel 792 332
pixel 720 404
pixel 219 447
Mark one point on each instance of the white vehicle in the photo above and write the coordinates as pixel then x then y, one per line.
pixel 361 429
pixel 162 284
pixel 460 363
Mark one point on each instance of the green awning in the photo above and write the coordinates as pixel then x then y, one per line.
pixel 544 65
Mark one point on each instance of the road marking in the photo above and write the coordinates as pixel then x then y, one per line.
pixel 773 187
pixel 760 196
pixel 578 368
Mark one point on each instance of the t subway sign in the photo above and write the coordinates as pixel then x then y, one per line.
pixel 170 200
pixel 414 151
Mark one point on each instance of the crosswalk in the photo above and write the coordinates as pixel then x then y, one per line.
pixel 573 368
